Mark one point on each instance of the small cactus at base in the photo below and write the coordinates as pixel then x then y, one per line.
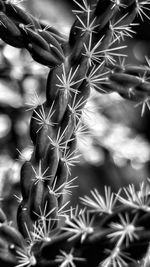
pixel 109 231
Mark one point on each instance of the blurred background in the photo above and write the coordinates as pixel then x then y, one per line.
pixel 115 144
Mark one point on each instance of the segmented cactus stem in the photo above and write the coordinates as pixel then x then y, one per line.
pixel 111 231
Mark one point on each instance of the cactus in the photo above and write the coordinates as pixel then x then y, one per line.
pixel 111 230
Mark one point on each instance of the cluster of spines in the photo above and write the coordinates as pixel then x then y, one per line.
pixel 111 228
pixel 87 60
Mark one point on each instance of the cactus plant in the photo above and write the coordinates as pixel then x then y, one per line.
pixel 111 230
